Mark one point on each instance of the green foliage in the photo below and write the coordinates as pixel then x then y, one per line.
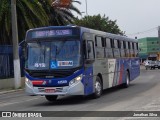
pixel 59 15
pixel 99 23
pixel 31 14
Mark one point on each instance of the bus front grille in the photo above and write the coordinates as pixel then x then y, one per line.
pixel 50 74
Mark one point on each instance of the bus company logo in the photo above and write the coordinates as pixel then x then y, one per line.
pixel 44 83
pixel 65 63
pixel 6 114
pixel 50 81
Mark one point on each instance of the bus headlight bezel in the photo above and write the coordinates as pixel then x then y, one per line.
pixel 75 80
pixel 28 81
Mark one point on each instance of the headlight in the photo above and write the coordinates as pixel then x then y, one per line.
pixel 78 78
pixel 28 81
pixel 75 80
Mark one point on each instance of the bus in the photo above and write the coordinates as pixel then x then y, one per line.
pixel 74 60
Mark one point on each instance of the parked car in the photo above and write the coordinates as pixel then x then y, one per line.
pixel 157 64
pixel 149 64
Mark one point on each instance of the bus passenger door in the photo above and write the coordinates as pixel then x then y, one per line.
pixel 88 80
pixel 111 71
pixel 88 71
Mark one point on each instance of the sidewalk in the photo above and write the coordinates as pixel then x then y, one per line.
pixel 7 85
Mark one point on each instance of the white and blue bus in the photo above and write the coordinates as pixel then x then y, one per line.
pixel 73 60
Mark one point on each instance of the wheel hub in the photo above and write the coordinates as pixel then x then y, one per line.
pixel 98 87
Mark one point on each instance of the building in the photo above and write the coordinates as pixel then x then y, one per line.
pixel 149 48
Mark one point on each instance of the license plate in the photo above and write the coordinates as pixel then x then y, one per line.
pixel 50 90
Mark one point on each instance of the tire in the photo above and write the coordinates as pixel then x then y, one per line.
pixel 51 98
pixel 127 81
pixel 98 88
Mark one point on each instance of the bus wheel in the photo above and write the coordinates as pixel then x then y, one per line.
pixel 98 88
pixel 127 81
pixel 51 97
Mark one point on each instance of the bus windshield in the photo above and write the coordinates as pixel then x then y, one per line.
pixel 60 54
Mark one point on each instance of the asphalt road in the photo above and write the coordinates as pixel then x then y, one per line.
pixel 142 95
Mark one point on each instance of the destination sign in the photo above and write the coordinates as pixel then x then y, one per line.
pixel 51 33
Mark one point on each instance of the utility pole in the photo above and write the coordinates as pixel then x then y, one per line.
pixel 16 62
pixel 82 14
pixel 86 8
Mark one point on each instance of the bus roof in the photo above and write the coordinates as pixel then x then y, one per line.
pixel 88 30
pixel 109 35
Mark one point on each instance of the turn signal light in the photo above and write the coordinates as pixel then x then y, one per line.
pixel 38 82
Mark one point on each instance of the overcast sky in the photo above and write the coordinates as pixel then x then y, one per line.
pixel 133 16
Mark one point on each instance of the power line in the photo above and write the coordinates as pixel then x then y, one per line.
pixel 143 32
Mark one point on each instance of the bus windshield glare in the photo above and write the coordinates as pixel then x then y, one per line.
pixel 60 54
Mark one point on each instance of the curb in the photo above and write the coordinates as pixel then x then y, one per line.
pixel 10 91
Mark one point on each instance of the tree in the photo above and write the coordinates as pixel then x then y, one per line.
pixel 99 23
pixel 59 15
pixel 29 15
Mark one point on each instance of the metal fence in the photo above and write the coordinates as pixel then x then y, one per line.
pixel 6 62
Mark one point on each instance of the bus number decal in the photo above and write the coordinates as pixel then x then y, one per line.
pixel 42 65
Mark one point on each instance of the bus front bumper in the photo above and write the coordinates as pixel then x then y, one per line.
pixel 75 89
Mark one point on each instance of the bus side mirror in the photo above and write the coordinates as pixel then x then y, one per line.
pixel 22 47
pixel 25 51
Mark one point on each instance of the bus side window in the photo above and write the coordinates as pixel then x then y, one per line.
pixel 103 42
pixel 136 49
pixel 109 51
pixel 133 49
pixel 119 47
pixel 90 50
pixel 122 49
pixel 98 41
pixel 116 49
pixel 127 50
pixel 131 52
pixel 100 47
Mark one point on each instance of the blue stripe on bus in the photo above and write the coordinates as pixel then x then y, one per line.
pixel 54 81
pixel 88 81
